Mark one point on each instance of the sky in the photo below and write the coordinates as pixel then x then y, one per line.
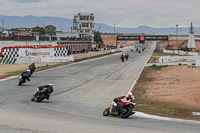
pixel 122 13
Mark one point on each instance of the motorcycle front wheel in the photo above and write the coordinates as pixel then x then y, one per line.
pixel 40 98
pixel 127 113
pixel 20 82
pixel 106 112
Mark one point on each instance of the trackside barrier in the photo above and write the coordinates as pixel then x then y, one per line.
pixel 180 52
pixel 5 61
pixel 197 63
pixel 165 59
pixel 90 54
pixel 44 59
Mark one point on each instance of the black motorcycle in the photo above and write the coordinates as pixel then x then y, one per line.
pixel 124 112
pixel 40 94
pixel 23 77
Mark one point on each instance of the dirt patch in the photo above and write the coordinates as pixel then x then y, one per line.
pixel 154 60
pixel 181 44
pixel 6 69
pixel 175 87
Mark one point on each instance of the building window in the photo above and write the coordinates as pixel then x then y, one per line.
pixel 85 25
pixel 87 31
pixel 91 18
pixel 84 18
pixel 91 25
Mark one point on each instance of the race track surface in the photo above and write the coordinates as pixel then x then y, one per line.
pixel 81 92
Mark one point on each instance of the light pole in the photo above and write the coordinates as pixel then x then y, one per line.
pixel 114 37
pixel 177 35
pixel 3 24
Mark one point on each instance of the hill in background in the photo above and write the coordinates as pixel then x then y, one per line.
pixel 64 24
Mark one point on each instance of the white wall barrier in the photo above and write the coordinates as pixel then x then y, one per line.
pixel 179 52
pixel 44 59
pixel 165 59
pixel 197 63
pixel 58 59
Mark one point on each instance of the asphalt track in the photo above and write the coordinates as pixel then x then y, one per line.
pixel 81 92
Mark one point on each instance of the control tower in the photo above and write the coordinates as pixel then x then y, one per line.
pixel 191 41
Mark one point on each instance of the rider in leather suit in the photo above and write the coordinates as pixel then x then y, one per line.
pixel 129 97
pixel 48 88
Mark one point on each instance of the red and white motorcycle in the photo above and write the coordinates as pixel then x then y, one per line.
pixel 124 109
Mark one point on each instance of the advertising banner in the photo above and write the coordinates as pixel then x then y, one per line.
pixel 36 52
pixel 28 51
pixel 143 38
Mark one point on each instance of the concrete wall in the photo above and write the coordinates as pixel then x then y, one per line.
pixel 179 52
pixel 44 59
pixel 90 54
pixel 184 58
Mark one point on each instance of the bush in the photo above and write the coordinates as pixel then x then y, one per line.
pixel 157 67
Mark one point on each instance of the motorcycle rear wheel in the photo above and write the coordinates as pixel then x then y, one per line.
pixel 106 112
pixel 127 113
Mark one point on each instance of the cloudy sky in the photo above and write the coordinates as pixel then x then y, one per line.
pixel 122 13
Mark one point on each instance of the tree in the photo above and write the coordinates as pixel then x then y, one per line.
pixel 50 29
pixel 97 38
pixel 41 30
pixel 14 29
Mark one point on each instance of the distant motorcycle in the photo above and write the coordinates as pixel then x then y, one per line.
pixel 122 57
pixel 124 112
pixel 126 56
pixel 23 77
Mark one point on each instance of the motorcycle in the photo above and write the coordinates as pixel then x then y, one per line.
pixel 122 58
pixel 40 95
pixel 126 56
pixel 124 112
pixel 21 80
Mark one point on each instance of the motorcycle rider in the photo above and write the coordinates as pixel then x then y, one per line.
pixel 126 56
pixel 25 76
pixel 122 57
pixel 32 67
pixel 118 101
pixel 48 88
pixel 28 71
